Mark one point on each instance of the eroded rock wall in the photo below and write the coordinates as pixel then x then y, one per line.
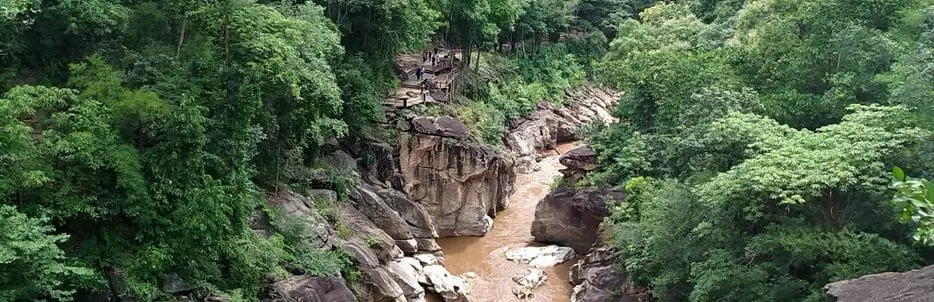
pixel 548 126
pixel 597 279
pixel 461 184
pixel 915 285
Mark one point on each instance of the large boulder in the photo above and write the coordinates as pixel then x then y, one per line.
pixel 578 163
pixel 527 281
pixel 916 285
pixel 597 279
pixel 540 257
pixel 532 136
pixel 310 289
pixel 460 184
pixel 450 287
pixel 571 217
pixel 580 159
pixel 547 126
pixel 444 126
pixel 403 219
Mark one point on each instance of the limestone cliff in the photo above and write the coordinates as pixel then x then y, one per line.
pixel 461 184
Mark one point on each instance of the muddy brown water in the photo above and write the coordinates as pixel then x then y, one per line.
pixel 486 256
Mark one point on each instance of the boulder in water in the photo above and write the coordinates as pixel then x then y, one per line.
pixel 541 257
pixel 451 287
pixel 528 280
pixel 571 217
pixel 597 279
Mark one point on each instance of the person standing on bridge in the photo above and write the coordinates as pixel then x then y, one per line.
pixel 418 73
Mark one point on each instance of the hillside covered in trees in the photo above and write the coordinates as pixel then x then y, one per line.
pixel 758 143
pixel 756 139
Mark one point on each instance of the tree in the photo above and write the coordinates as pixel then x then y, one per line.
pixel 914 199
pixel 31 263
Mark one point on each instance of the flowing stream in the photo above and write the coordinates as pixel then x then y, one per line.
pixel 486 256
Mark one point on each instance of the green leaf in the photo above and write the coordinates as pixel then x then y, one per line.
pixel 930 195
pixel 898 173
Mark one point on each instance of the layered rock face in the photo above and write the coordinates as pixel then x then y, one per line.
pixel 916 285
pixel 460 184
pixel 597 280
pixel 549 126
pixel 578 163
pixel 571 217
pixel 390 237
pixel 311 289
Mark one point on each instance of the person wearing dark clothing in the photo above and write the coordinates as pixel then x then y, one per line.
pixel 418 73
pixel 433 59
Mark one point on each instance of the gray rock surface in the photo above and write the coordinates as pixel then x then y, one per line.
pixel 571 217
pixel 548 126
pixel 540 257
pixel 451 288
pixel 441 126
pixel 310 289
pixel 597 279
pixel 527 281
pixel 911 286
pixel 460 184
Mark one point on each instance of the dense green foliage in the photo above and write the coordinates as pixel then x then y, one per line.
pixel 755 139
pixel 137 136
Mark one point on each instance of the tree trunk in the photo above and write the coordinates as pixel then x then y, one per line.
pixel 181 36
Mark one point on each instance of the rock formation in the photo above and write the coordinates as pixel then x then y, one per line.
pixel 571 217
pixel 540 257
pixel 310 289
pixel 390 237
pixel 916 285
pixel 578 163
pixel 460 184
pixel 548 126
pixel 597 279
pixel 527 281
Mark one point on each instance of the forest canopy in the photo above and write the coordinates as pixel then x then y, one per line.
pixel 755 137
pixel 756 142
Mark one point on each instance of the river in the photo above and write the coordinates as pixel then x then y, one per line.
pixel 486 256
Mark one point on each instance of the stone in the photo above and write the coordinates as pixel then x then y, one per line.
pixel 451 288
pixel 427 245
pixel 444 126
pixel 461 185
pixel 305 288
pixel 571 217
pixel 366 240
pixel 597 279
pixel 297 206
pixel 335 163
pixel 580 158
pixel 470 275
pixel 175 285
pixel 405 272
pixel 530 278
pixel 522 292
pixel 426 259
pixel 915 285
pixel 540 257
pixel 382 285
pixel 372 205
pixel 548 126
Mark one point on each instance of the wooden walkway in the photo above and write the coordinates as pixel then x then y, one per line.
pixel 436 80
